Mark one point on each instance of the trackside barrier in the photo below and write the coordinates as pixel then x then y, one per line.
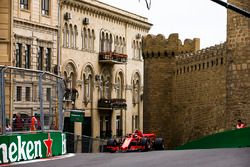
pixel 31 118
pixel 84 144
pixel 23 147
pixel 25 93
pixel 228 139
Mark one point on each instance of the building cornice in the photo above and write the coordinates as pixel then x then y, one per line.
pixel 35 24
pixel 109 11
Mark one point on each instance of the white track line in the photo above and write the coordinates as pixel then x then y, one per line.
pixel 41 160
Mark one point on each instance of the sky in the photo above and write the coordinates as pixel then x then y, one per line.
pixel 202 19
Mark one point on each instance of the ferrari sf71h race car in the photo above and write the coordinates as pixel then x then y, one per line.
pixel 136 141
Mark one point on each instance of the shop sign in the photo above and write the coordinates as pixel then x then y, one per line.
pixel 76 116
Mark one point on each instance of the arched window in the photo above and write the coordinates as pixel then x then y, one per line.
pixel 116 44
pixel 133 46
pixel 137 50
pixel 120 45
pixel 102 42
pixel 70 76
pixel 75 34
pixel 89 40
pixel 93 40
pixel 119 86
pixel 70 36
pixel 106 84
pixel 65 35
pixel 124 46
pixel 110 42
pixel 136 88
pixel 106 42
pixel 140 51
pixel 87 85
pixel 102 88
pixel 83 36
pixel 71 81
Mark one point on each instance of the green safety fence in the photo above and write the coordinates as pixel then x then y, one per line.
pixel 22 147
pixel 228 139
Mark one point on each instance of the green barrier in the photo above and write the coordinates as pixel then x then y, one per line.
pixel 22 147
pixel 228 139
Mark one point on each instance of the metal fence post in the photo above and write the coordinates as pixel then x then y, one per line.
pixel 90 144
pixel 60 107
pixel 41 101
pixel 3 100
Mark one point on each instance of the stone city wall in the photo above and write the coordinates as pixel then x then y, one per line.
pixel 199 95
pixel 185 88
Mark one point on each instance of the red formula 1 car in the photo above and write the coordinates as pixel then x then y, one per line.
pixel 136 141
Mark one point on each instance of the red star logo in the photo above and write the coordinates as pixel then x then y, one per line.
pixel 48 144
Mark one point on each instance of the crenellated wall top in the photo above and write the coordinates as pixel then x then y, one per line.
pixel 159 44
pixel 203 54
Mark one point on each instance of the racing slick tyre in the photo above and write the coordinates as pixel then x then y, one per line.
pixel 111 142
pixel 159 144
pixel 146 143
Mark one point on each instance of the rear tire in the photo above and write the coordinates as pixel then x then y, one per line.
pixel 146 143
pixel 112 143
pixel 159 144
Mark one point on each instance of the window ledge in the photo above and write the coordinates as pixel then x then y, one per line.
pixel 47 16
pixel 25 10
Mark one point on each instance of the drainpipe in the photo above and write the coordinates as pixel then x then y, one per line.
pixel 3 114
pixel 41 100
pixel 125 78
pixel 59 38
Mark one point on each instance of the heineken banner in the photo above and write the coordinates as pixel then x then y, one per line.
pixel 22 147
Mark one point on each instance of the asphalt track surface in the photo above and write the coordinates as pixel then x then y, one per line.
pixel 239 157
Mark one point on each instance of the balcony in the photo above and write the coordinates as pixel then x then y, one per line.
pixel 112 58
pixel 70 95
pixel 112 104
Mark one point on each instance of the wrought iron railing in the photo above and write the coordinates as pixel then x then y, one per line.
pixel 70 94
pixel 112 103
pixel 112 57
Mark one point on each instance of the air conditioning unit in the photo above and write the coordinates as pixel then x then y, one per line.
pixel 85 21
pixel 67 16
pixel 138 36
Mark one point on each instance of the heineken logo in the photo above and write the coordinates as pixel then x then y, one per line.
pixel 48 144
pixel 31 146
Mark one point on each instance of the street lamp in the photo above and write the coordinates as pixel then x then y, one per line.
pixel 148 3
pixel 232 7
pixel 222 3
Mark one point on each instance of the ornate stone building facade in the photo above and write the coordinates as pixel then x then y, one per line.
pixel 28 35
pixel 5 41
pixel 197 92
pixel 100 58
pixel 101 62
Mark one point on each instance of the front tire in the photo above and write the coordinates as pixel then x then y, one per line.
pixel 146 143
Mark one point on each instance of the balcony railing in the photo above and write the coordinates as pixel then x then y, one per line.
pixel 112 57
pixel 70 94
pixel 112 103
